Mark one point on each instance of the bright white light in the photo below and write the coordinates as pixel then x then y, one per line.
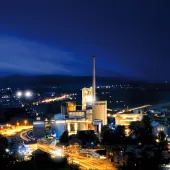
pixel 7 150
pixel 28 94
pixel 19 94
pixel 58 153
pixel 89 99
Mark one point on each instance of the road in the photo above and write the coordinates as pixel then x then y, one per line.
pixel 13 130
pixel 84 162
pixel 91 163
pixel 26 137
pixel 55 99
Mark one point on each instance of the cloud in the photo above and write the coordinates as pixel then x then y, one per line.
pixel 22 56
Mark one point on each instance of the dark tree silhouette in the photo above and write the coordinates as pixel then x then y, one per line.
pixel 114 138
pixel 64 138
pixel 162 136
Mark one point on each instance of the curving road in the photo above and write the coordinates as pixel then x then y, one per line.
pixel 84 162
pixel 26 137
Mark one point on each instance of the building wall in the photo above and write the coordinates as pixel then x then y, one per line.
pixel 125 119
pixel 68 107
pixel 71 106
pixel 76 114
pixel 89 115
pixel 39 129
pixel 64 108
pixel 82 126
pixel 100 111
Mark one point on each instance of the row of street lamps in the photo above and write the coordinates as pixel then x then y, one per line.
pixel 8 125
pixel 25 122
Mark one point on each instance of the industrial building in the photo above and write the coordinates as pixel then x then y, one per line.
pixel 68 107
pixel 86 98
pixel 126 117
pixel 58 126
pixel 92 116
pixel 39 129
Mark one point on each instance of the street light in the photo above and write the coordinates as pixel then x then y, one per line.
pixel 25 122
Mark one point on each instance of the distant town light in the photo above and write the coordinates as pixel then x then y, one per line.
pixel 25 122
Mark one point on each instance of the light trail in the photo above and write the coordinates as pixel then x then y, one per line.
pixel 55 99
pixel 13 130
pixel 122 111
pixel 68 96
pixel 88 163
pixel 141 107
pixel 25 136
pixel 56 152
pixel 92 163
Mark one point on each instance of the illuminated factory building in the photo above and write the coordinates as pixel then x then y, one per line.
pixel 126 117
pixel 68 107
pixel 86 97
pixel 92 116
pixel 39 128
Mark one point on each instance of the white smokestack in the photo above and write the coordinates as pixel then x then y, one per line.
pixel 94 79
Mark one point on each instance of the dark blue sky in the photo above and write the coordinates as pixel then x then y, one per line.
pixel 128 37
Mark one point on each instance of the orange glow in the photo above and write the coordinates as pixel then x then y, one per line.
pixel 55 99
pixel 10 132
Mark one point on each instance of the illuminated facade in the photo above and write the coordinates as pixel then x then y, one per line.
pixel 93 114
pixel 71 106
pixel 125 118
pixel 39 129
pixel 68 107
pixel 100 111
pixel 76 114
pixel 86 97
pixel 74 125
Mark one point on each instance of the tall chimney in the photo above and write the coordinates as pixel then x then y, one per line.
pixel 94 80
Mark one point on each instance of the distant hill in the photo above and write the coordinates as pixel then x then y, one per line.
pixel 54 80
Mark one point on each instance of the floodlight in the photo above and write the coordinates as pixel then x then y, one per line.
pixel 28 94
pixel 19 94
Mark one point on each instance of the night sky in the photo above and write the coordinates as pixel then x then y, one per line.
pixel 130 38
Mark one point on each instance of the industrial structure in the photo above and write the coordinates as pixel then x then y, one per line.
pixel 92 116
pixel 126 117
pixel 86 98
pixel 38 129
